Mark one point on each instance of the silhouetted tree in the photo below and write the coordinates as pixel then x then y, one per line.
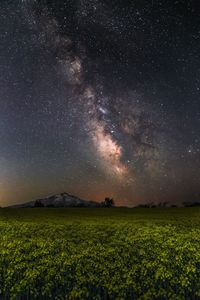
pixel 108 202
pixel 38 203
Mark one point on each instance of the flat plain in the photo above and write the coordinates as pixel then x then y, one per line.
pixel 103 253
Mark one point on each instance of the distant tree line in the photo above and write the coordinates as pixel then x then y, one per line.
pixel 152 205
pixel 166 204
pixel 191 204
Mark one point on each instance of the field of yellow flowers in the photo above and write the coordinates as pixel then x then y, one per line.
pixel 87 253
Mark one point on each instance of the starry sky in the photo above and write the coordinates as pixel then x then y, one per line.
pixel 100 98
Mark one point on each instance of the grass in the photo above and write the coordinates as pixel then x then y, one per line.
pixel 116 253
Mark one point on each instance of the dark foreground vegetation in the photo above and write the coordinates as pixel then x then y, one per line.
pixel 80 253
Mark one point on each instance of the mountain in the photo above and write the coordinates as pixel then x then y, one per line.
pixel 60 200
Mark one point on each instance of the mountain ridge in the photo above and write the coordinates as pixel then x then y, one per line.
pixel 59 200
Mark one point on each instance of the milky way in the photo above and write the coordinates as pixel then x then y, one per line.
pixel 100 98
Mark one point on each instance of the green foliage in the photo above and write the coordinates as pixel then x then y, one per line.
pixel 100 253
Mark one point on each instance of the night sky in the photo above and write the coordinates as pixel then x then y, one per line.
pixel 100 98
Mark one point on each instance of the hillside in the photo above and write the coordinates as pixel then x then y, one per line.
pixel 60 200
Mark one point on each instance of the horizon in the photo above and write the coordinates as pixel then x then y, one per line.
pixel 148 204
